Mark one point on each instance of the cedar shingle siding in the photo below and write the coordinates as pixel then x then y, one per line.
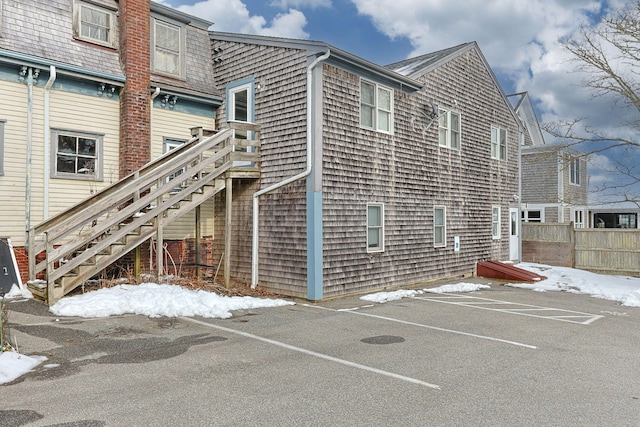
pixel 407 171
pixel 280 108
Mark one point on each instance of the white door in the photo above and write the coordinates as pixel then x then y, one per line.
pixel 514 234
pixel 240 100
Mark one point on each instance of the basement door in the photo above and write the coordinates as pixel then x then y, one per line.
pixel 514 234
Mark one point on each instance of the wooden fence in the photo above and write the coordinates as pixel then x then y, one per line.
pixel 607 251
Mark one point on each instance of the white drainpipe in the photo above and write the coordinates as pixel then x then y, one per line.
pixel 305 173
pixel 47 140
pixel 27 198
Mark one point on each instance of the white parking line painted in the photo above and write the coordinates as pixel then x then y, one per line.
pixel 518 308
pixel 421 325
pixel 315 354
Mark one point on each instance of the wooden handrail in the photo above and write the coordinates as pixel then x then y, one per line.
pixel 137 199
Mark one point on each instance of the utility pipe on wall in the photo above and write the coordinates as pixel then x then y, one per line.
pixel 47 140
pixel 27 198
pixel 305 173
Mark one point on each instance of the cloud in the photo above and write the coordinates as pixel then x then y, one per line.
pixel 233 16
pixel 300 4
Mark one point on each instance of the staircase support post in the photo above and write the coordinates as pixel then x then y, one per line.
pixel 159 238
pixel 227 232
pixel 198 241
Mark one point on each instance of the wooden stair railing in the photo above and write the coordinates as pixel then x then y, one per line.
pixel 78 243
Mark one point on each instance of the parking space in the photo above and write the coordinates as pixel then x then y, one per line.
pixel 512 307
pixel 503 356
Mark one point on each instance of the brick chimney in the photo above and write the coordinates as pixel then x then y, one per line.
pixel 135 99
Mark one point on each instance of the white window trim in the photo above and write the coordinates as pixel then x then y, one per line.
pixel 446 114
pixel 181 55
pixel 525 215
pixel 99 160
pixel 77 24
pixel 496 222
pixel 497 154
pixel 169 144
pixel 377 109
pixel 380 227
pixel 574 170
pixel 578 216
pixel 442 244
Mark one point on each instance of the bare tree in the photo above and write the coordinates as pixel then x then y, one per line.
pixel 609 56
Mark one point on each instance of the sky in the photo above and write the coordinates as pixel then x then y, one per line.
pixel 518 38
pixel 156 300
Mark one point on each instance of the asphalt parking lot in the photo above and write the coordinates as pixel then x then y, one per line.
pixel 499 357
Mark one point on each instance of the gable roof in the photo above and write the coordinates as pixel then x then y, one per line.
pixel 523 106
pixel 419 65
pixel 339 58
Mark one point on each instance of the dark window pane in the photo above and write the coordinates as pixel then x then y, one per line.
pixel 86 166
pixel 66 164
pixel 87 146
pixel 66 144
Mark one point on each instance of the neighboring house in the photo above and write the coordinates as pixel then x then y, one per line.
pixel 89 95
pixel 554 179
pixel 615 216
pixel 371 177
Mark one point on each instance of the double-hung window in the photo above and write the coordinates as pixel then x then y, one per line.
pixel 439 226
pixel 495 222
pixel 449 129
pixel 574 170
pixel 76 155
pixel 375 227
pixel 498 143
pixel 94 24
pixel 167 47
pixel 376 107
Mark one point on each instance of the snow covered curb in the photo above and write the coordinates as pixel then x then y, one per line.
pixel 382 297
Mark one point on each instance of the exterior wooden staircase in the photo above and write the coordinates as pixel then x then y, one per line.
pixel 79 243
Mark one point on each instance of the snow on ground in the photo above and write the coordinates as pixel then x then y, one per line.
pixel 623 289
pixel 13 365
pixel 381 297
pixel 155 300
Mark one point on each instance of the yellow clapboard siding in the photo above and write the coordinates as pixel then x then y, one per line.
pixel 167 123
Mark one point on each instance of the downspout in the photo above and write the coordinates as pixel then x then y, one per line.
pixel 27 198
pixel 305 173
pixel 519 201
pixel 47 140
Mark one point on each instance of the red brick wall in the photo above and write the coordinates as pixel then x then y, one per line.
pixel 135 109
pixel 23 262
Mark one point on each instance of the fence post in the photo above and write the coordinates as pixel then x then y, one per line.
pixel 572 245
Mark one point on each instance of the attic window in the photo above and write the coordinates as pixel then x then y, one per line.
pixel 94 24
pixel 376 107
pixel 168 47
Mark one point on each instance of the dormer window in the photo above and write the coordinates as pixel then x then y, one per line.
pixel 167 47
pixel 94 24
